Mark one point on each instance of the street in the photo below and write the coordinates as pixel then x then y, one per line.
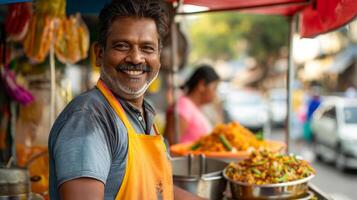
pixel 339 185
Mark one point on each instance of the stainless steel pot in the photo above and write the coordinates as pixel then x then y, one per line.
pixel 14 181
pixel 290 190
pixel 200 176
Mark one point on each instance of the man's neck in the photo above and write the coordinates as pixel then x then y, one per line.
pixel 135 103
pixel 138 104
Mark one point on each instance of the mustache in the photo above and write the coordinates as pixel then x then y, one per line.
pixel 133 67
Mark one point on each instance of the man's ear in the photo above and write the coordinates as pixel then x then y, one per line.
pixel 98 50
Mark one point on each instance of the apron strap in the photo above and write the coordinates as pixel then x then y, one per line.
pixel 115 104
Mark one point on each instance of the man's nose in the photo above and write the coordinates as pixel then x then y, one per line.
pixel 135 56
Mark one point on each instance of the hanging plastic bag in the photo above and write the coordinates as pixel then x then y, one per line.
pixel 43 27
pixel 14 90
pixel 54 8
pixel 38 40
pixel 72 41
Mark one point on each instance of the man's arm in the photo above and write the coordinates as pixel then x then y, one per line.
pixel 180 194
pixel 81 158
pixel 82 189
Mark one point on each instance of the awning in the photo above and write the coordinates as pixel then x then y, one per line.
pixel 273 7
pixel 326 15
pixel 12 1
pixel 317 16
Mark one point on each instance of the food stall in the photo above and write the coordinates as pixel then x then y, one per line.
pixel 316 17
pixel 34 34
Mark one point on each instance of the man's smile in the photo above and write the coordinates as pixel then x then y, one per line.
pixel 133 72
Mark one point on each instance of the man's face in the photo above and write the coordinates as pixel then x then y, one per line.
pixel 130 60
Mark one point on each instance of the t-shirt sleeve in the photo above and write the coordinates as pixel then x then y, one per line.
pixel 81 149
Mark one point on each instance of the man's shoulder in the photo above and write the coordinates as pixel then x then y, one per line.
pixel 90 100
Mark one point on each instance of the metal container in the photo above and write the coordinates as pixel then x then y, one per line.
pixel 290 190
pixel 200 176
pixel 14 181
pixel 30 196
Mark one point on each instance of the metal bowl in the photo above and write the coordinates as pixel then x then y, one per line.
pixel 288 190
pixel 14 181
pixel 200 176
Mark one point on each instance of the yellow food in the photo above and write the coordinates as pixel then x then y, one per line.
pixel 240 138
pixel 265 167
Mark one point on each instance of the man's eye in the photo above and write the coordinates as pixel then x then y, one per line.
pixel 122 47
pixel 148 49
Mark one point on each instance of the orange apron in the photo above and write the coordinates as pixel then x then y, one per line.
pixel 148 172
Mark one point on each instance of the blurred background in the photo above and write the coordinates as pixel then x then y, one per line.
pixel 250 54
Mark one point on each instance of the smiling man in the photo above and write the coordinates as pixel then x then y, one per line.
pixel 104 144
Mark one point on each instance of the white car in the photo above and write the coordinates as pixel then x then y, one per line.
pixel 277 101
pixel 334 127
pixel 247 107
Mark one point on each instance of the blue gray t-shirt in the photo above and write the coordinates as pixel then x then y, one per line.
pixel 88 139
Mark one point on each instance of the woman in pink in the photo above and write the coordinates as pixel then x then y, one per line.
pixel 200 89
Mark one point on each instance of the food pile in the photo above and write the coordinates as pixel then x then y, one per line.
pixel 265 167
pixel 229 137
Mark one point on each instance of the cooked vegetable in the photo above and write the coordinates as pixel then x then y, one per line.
pixel 265 167
pixel 195 146
pixel 228 137
pixel 225 142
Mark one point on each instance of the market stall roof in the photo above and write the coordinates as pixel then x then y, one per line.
pixel 12 1
pixel 274 7
pixel 326 15
pixel 317 16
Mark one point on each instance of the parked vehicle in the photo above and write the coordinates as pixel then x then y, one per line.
pixel 334 127
pixel 277 106
pixel 247 107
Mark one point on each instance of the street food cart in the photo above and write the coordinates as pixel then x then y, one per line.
pixel 316 17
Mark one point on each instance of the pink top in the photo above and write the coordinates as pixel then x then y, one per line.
pixel 198 125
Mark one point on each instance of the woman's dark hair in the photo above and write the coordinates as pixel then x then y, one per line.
pixel 203 72
pixel 152 9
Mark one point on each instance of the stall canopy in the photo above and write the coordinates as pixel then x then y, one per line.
pixel 12 1
pixel 326 15
pixel 317 16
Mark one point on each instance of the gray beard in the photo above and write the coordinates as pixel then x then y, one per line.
pixel 121 89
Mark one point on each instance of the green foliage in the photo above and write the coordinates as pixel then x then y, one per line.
pixel 221 35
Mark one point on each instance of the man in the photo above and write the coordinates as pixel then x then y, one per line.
pixel 104 143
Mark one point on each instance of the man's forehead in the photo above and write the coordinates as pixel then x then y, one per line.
pixel 131 27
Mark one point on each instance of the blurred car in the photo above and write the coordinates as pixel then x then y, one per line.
pixel 277 101
pixel 247 107
pixel 334 127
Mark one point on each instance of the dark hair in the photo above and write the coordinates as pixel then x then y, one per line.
pixel 152 9
pixel 203 72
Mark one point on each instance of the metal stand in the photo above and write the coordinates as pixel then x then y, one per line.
pixel 290 79
pixel 53 85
